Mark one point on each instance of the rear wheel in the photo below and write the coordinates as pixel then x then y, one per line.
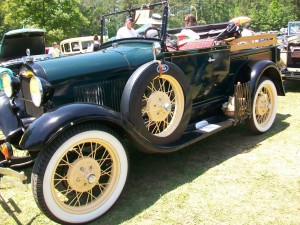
pixel 81 175
pixel 264 107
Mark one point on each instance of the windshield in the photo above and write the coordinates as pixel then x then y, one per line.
pixel 294 28
pixel 139 17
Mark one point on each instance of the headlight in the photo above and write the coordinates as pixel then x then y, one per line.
pixel 6 82
pixel 11 85
pixel 36 91
pixel 40 90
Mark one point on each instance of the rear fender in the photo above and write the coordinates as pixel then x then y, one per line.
pixel 51 124
pixel 268 69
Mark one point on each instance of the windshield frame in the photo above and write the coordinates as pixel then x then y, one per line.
pixel 131 11
pixel 292 24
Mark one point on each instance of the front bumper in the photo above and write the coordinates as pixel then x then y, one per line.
pixel 12 173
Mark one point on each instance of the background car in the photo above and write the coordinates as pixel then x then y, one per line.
pixel 16 44
pixel 76 45
pixel 290 52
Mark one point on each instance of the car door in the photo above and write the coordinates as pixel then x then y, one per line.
pixel 206 68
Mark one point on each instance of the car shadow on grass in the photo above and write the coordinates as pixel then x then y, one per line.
pixel 153 176
pixel 7 207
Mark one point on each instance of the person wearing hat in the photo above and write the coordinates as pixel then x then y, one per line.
pixel 127 30
pixel 155 21
pixel 247 30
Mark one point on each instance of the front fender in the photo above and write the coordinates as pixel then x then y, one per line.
pixel 265 68
pixel 8 119
pixel 51 124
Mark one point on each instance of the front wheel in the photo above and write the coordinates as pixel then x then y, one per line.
pixel 81 175
pixel 264 107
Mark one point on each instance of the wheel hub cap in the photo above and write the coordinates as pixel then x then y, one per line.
pixel 83 174
pixel 158 106
pixel 263 105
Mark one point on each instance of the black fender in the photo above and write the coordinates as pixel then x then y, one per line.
pixel 268 69
pixel 9 121
pixel 46 128
pixel 53 123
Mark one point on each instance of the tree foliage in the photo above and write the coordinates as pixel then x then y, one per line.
pixel 70 18
pixel 60 18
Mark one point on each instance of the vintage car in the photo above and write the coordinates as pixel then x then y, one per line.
pixel 290 54
pixel 77 45
pixel 78 116
pixel 16 44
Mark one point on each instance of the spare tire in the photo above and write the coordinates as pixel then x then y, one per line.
pixel 158 105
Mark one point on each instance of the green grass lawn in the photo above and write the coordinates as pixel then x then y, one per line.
pixel 234 177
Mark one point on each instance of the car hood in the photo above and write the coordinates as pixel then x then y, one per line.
pixel 14 43
pixel 113 60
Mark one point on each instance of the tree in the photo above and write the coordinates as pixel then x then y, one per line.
pixel 70 18
pixel 60 18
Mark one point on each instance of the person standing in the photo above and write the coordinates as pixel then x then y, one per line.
pixel 54 50
pixel 127 30
pixel 96 44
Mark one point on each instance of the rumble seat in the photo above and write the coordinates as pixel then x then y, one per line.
pixel 202 43
pixel 195 44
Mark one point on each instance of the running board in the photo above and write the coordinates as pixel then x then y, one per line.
pixel 204 129
pixel 191 136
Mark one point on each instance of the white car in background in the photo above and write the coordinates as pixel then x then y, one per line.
pixel 290 52
pixel 76 45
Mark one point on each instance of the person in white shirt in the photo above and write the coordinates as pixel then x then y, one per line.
pixel 54 50
pixel 189 21
pixel 247 30
pixel 127 31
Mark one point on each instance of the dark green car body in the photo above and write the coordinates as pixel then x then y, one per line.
pixel 88 78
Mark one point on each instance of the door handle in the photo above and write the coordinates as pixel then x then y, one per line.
pixel 211 59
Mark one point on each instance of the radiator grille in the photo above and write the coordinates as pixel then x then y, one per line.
pixel 30 108
pixel 106 93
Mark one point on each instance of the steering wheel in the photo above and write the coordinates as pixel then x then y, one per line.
pixel 153 33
